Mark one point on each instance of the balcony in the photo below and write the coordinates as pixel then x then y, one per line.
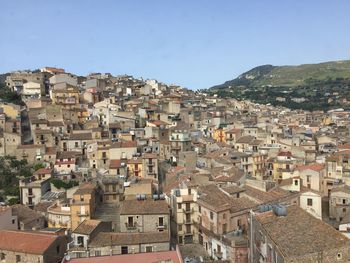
pixel 176 148
pixel 188 221
pixel 218 254
pixel 164 226
pixel 130 226
pixel 188 211
pixel 79 213
pixel 30 195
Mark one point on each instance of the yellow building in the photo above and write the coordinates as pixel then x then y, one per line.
pixel 65 95
pixel 83 204
pixel 11 110
pixel 219 135
pixel 259 166
pixel 135 167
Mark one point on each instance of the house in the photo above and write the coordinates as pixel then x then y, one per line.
pixel 184 211
pixel 83 204
pixel 311 202
pixel 339 202
pixel 8 220
pixel 28 219
pixel 144 216
pixel 31 246
pixel 59 215
pixel 305 238
pixel 34 187
pixel 150 165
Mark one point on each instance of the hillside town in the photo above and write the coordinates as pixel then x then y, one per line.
pixel 109 168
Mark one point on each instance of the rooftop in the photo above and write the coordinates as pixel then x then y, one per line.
pixel 140 207
pixel 302 233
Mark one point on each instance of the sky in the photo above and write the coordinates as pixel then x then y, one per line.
pixel 193 43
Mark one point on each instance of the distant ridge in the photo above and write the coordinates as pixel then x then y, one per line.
pixel 290 76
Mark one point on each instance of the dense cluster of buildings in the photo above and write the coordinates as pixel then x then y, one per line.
pixel 136 170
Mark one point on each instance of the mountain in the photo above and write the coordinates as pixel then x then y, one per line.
pixel 291 76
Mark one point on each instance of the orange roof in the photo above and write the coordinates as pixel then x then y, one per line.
pixel 315 166
pixel 22 241
pixel 163 256
pixel 114 164
pixel 43 171
pixel 344 146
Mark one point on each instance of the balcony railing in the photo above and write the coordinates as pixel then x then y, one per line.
pixel 218 254
pixel 188 221
pixel 79 213
pixel 188 211
pixel 163 226
pixel 130 226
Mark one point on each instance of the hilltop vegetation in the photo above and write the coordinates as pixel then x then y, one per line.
pixel 311 87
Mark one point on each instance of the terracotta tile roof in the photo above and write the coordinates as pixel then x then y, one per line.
pixel 211 197
pixel 344 188
pixel 315 167
pixel 302 233
pixel 114 164
pixel 344 146
pixel 152 257
pixel 25 214
pixel 112 238
pixel 246 139
pixel 273 195
pixel 43 171
pixel 29 242
pixel 126 144
pixel 288 154
pixel 81 136
pixel 87 188
pixel 144 207
pixel 87 226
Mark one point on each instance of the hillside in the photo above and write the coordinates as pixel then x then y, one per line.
pixel 291 76
pixel 321 86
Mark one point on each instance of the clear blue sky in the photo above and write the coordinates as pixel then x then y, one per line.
pixel 194 43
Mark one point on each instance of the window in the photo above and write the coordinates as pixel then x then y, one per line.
pixel 76 144
pixel 149 249
pixel 339 256
pixel 180 227
pixel 309 202
pixel 98 253
pixel 296 182
pixel 2 256
pixel 80 241
pixel 189 191
pixel 344 201
pixel 58 249
pixel 161 221
pixel 223 216
pixel 130 221
pixel 81 198
pixel 18 258
pixel 211 215
pixel 179 206
pixel 199 209
pixel 180 239
pixel 13 221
